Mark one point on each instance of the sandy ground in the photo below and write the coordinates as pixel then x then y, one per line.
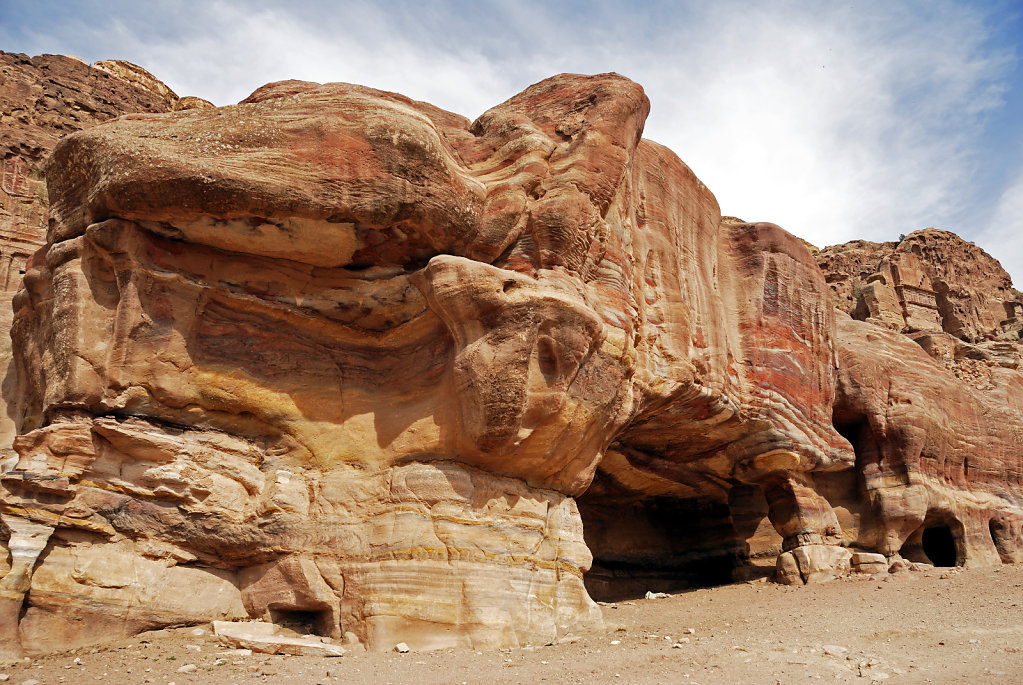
pixel 928 626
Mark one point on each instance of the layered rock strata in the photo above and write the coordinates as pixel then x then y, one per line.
pixel 339 359
pixel 932 452
pixel 41 100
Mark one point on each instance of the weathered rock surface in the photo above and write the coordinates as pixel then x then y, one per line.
pixel 935 415
pixel 41 100
pixel 933 452
pixel 812 564
pixel 931 281
pixel 341 360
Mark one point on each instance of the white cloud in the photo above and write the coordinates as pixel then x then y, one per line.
pixel 240 49
pixel 829 125
pixel 1003 236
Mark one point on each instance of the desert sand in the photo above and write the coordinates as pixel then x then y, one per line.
pixel 933 626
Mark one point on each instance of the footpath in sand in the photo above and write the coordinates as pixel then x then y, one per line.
pixel 933 626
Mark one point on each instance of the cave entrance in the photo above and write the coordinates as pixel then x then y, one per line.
pixel 939 545
pixel 939 541
pixel 660 544
pixel 304 622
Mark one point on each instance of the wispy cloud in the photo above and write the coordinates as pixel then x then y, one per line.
pixel 836 121
pixel 1003 236
pixel 836 124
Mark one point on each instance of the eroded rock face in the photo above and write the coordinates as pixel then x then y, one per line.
pixel 394 425
pixel 935 415
pixel 932 451
pixel 336 358
pixel 931 281
pixel 42 99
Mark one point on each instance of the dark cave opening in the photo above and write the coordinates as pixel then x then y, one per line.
pixel 850 429
pixel 614 580
pixel 939 541
pixel 660 545
pixel 939 545
pixel 304 622
pixel 855 428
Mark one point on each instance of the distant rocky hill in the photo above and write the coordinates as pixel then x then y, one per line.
pixel 946 294
pixel 346 362
pixel 930 281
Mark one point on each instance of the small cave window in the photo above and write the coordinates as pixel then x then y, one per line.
pixel 304 622
pixel 939 545
pixel 547 357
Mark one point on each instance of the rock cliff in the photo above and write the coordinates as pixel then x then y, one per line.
pixel 42 99
pixel 336 358
pixel 936 413
pixel 930 281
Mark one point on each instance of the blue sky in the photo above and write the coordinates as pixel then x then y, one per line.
pixel 835 120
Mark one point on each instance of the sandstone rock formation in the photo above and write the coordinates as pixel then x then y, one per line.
pixel 338 359
pixel 930 281
pixel 935 414
pixel 42 99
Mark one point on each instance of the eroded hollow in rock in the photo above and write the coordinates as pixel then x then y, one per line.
pixel 304 622
pixel 939 545
pixel 668 544
pixel 853 426
pixel 935 542
pixel 871 467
